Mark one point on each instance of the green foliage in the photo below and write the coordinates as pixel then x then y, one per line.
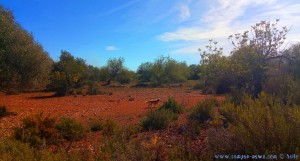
pixel 194 72
pixel 164 70
pixel 23 62
pixel 199 85
pixel 94 89
pixel 67 73
pixel 70 129
pixel 126 76
pixel 203 110
pixel 124 145
pixel 158 119
pixel 12 150
pixel 96 126
pixel 248 70
pixel 257 63
pixel 110 128
pixel 172 106
pixel 37 130
pixel 283 87
pixel 265 37
pixel 91 74
pixel 215 72
pixel 144 72
pixel 114 68
pixel 260 126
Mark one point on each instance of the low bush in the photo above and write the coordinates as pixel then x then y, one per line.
pixel 199 85
pixel 260 126
pixel 125 145
pixel 110 128
pixel 96 126
pixel 94 89
pixel 172 106
pixel 37 130
pixel 203 110
pixel 14 150
pixel 70 129
pixel 158 119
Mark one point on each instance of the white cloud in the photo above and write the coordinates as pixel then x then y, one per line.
pixel 111 48
pixel 184 12
pixel 226 17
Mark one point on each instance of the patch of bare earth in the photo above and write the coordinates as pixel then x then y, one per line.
pixel 116 106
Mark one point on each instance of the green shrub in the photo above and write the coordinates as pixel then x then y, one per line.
pixel 11 150
pixel 70 129
pixel 37 130
pixel 110 128
pixel 203 110
pixel 260 126
pixel 96 126
pixel 94 89
pixel 124 145
pixel 172 106
pixel 199 85
pixel 158 119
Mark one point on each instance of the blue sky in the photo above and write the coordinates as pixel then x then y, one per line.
pixel 142 30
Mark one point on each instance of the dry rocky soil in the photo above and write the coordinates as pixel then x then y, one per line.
pixel 126 106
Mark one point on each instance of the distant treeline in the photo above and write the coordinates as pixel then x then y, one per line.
pixel 24 65
pixel 259 62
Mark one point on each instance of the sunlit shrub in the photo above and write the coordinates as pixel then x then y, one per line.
pixel 202 112
pixel 70 129
pixel 260 126
pixel 37 130
pixel 110 128
pixel 14 150
pixel 158 119
pixel 172 106
pixel 96 126
pixel 95 89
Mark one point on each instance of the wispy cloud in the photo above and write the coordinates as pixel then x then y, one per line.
pixel 128 4
pixel 111 48
pixel 225 17
pixel 184 11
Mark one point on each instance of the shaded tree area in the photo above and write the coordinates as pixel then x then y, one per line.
pixel 258 63
pixel 24 65
pixel 114 68
pixel 72 75
pixel 194 71
pixel 164 70
pixel 67 73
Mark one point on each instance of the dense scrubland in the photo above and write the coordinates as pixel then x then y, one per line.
pixel 260 114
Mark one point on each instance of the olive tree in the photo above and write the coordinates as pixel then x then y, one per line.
pixel 67 73
pixel 24 64
pixel 114 68
pixel 254 56
pixel 163 70
pixel 144 72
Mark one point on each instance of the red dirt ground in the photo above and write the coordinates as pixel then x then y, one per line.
pixel 87 108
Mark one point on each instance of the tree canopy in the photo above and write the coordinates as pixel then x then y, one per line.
pixel 24 64
pixel 67 73
pixel 163 70
pixel 257 61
